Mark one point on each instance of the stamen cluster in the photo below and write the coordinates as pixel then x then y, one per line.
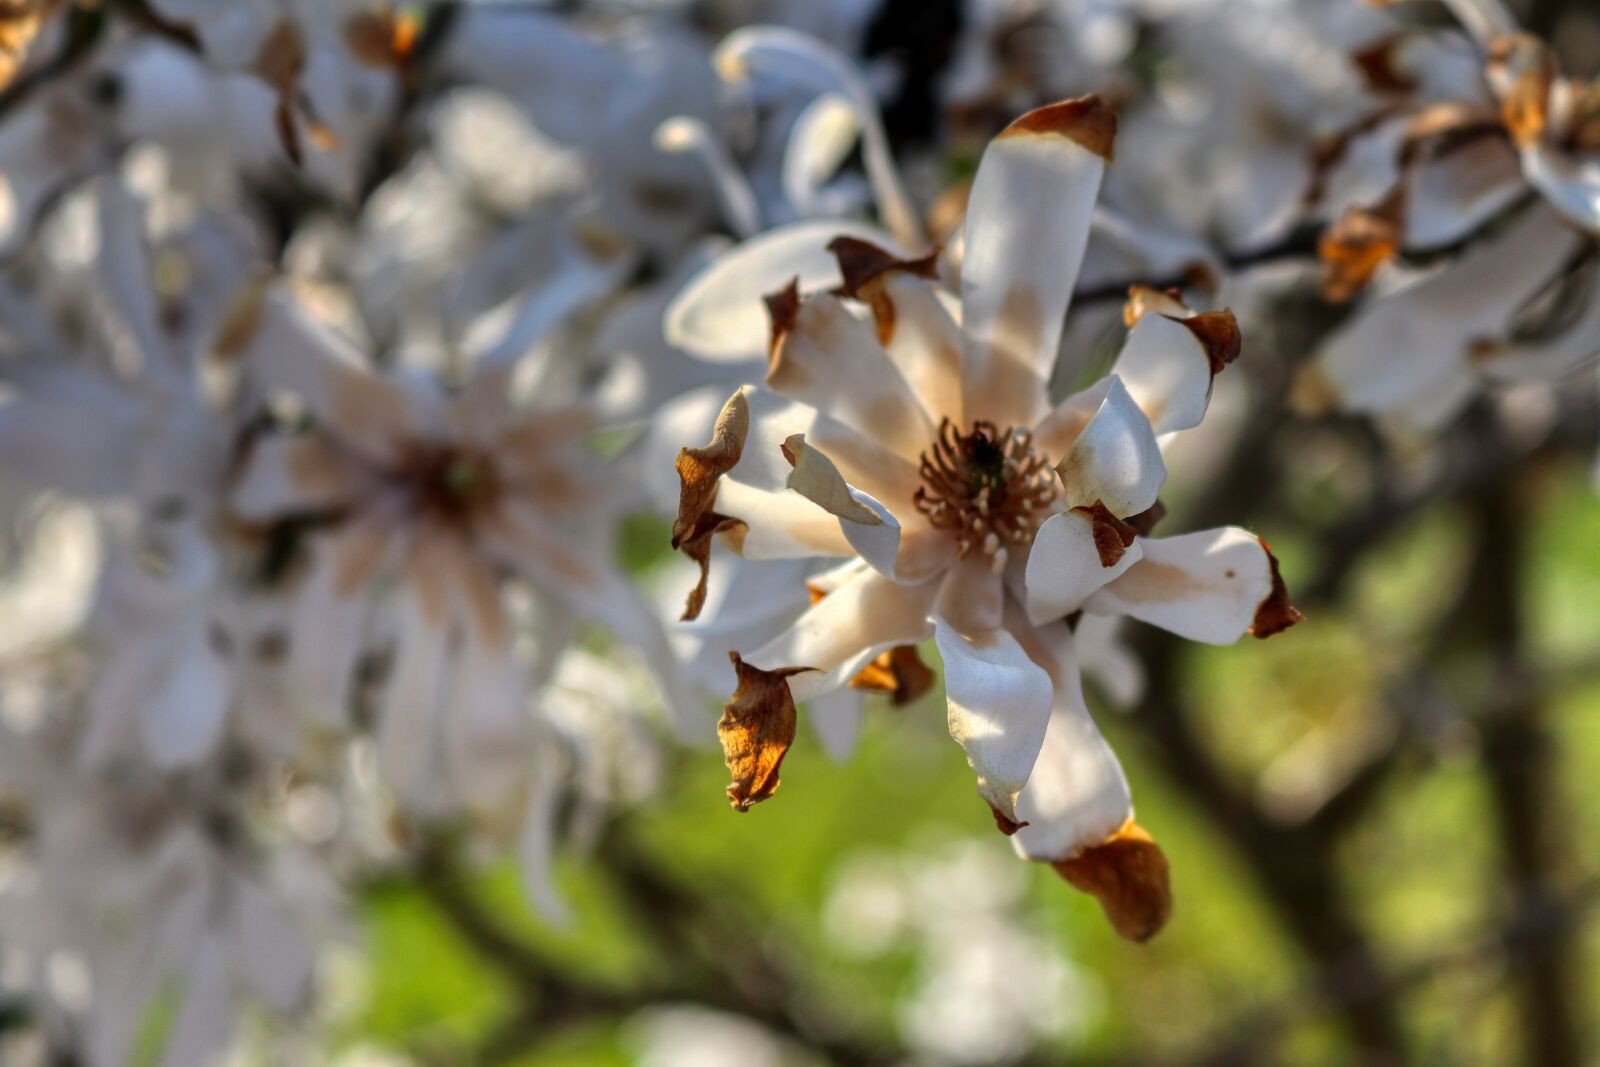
pixel 989 487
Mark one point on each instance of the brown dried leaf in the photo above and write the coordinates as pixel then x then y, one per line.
pixel 1275 613
pixel 1112 536
pixel 1128 875
pixel 756 729
pixel 698 472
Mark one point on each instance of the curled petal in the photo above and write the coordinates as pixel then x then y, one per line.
pixel 757 728
pixel 999 707
pixel 1128 875
pixel 1115 461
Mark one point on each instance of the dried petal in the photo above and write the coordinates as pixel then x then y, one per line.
pixel 863 266
pixel 1005 825
pixel 1218 332
pixel 698 472
pixel 1378 65
pixel 783 307
pixel 1275 613
pixel 1357 245
pixel 1112 536
pixel 1128 875
pixel 756 729
pixel 899 672
pixel 819 481
pixel 1522 70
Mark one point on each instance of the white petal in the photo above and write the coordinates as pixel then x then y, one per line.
pixel 1204 586
pixel 863 462
pixel 1064 566
pixel 841 633
pixel 409 727
pixel 1077 796
pixel 1027 226
pixel 999 706
pixel 1571 188
pixel 1115 460
pixel 836 717
pixel 537 845
pixel 183 721
pixel 274 957
pixel 926 346
pixel 720 315
pixel 831 360
pixel 207 1013
pixel 1167 373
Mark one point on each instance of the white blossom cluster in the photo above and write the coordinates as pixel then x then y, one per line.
pixel 339 338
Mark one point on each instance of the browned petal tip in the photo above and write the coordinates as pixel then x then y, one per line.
pixel 699 470
pixel 862 262
pixel 1004 823
pixel 756 729
pixel 1353 249
pixel 1218 333
pixel 1128 875
pixel 1275 613
pixel 783 307
pixel 899 672
pixel 1088 120
pixel 1112 536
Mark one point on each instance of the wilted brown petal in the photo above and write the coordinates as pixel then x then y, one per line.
pixel 756 729
pixel 1112 536
pixel 782 308
pixel 1376 62
pixel 1128 875
pixel 1144 523
pixel 863 265
pixel 899 672
pixel 1218 333
pixel 1355 246
pixel 698 472
pixel 1004 823
pixel 1275 613
pixel 19 25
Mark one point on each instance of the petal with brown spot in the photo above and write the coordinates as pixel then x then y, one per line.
pixel 1128 875
pixel 1005 825
pixel 756 730
pixel 1218 333
pixel 783 307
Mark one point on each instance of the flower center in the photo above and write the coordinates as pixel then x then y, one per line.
pixel 990 488
pixel 451 483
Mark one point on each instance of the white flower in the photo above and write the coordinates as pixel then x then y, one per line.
pixel 920 452
pixel 451 495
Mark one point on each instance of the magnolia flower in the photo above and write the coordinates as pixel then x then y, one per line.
pixel 453 496
pixel 965 507
pixel 124 887
pixel 1464 126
